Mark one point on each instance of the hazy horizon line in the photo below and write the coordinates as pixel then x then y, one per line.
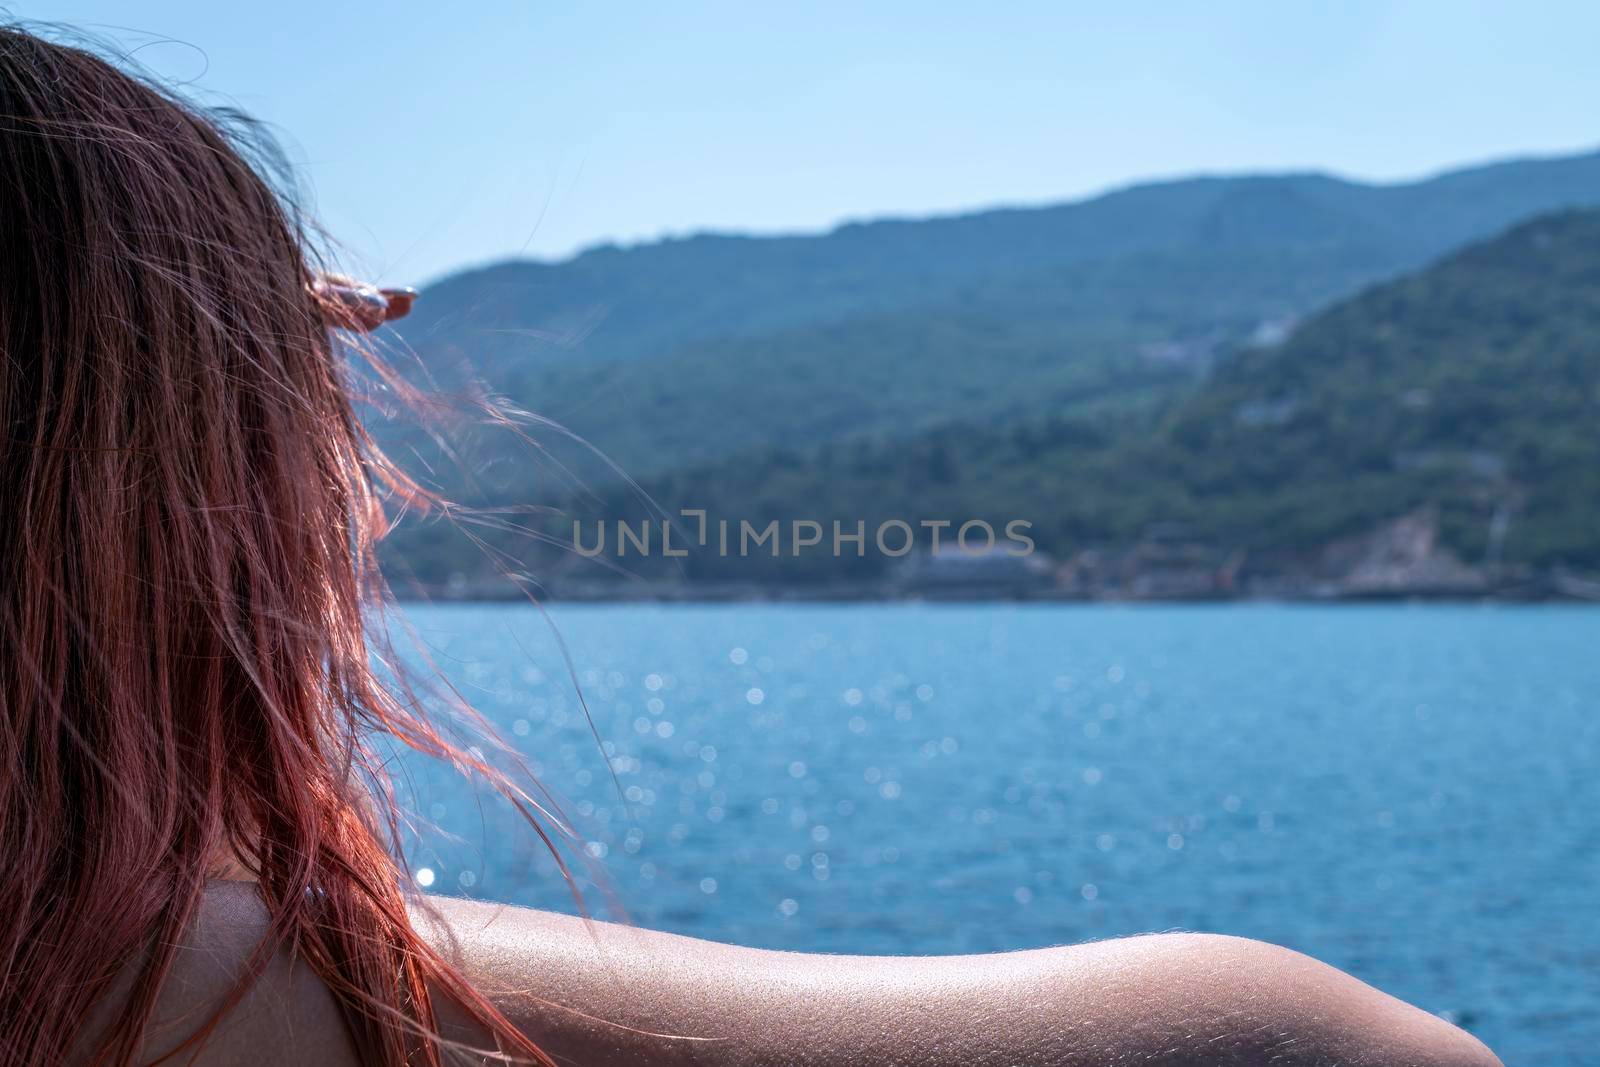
pixel 1000 207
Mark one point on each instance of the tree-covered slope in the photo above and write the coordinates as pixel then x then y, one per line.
pixel 1473 386
pixel 689 350
pixel 1469 391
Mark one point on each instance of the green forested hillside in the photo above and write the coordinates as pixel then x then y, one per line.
pixel 692 350
pixel 1473 386
pixel 1467 389
pixel 946 373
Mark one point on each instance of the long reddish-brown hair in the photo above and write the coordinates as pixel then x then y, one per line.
pixel 188 510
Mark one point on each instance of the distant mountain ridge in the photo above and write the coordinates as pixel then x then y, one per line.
pixel 1087 365
pixel 1436 433
pixel 691 349
pixel 766 282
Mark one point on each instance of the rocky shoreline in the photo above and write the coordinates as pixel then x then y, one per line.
pixel 1400 560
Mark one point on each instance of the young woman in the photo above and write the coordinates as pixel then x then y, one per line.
pixel 198 855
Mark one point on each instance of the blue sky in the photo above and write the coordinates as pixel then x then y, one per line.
pixel 436 135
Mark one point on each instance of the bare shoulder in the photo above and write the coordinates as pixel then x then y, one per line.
pixel 288 1016
pixel 599 993
pixel 594 992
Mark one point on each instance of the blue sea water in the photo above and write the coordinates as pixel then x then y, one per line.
pixel 1407 792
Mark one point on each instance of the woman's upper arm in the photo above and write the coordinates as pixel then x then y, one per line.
pixel 605 994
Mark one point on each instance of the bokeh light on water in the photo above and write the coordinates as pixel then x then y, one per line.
pixel 1406 792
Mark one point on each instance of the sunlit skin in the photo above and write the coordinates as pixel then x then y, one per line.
pixel 603 994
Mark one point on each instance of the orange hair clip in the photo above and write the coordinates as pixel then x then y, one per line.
pixel 351 305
